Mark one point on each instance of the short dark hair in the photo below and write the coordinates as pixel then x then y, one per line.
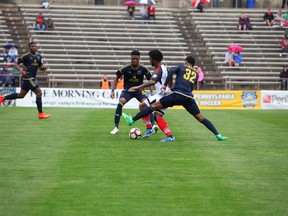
pixel 156 55
pixel 135 52
pixel 32 42
pixel 190 60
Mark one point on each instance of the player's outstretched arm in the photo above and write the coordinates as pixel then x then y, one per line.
pixel 115 81
pixel 144 85
pixel 17 66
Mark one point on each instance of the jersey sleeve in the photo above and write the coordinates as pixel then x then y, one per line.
pixel 121 71
pixel 21 60
pixel 157 77
pixel 41 61
pixel 148 74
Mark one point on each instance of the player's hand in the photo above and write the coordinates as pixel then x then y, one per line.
pixel 163 89
pixel 44 67
pixel 112 95
pixel 24 73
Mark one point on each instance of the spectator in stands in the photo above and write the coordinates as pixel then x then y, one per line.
pixel 151 10
pixel 49 24
pixel 236 59
pixel 131 10
pixel 242 22
pixel 143 12
pixel 228 55
pixel 284 78
pixel 45 4
pixel 105 83
pixel 4 55
pixel 13 54
pixel 284 44
pixel 247 22
pixel 200 76
pixel 279 19
pixel 200 6
pixel 40 22
pixel 284 4
pixel 6 79
pixel 120 83
pixel 269 18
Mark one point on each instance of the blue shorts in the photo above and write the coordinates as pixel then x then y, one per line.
pixel 140 96
pixel 177 99
pixel 30 84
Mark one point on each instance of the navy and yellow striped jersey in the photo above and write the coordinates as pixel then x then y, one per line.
pixel 31 63
pixel 186 78
pixel 133 77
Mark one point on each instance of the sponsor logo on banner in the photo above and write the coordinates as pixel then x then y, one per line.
pixel 227 99
pixel 249 99
pixel 274 100
pixel 7 91
pixel 86 98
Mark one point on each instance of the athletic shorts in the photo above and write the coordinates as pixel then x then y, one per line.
pixel 177 99
pixel 140 96
pixel 153 99
pixel 30 84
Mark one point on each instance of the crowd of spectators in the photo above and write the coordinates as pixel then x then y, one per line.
pixel 147 12
pixel 42 24
pixel 8 56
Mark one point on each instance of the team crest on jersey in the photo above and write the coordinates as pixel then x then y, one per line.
pixel 7 91
pixel 249 99
pixel 139 72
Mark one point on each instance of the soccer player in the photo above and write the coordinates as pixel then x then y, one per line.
pixel 186 78
pixel 133 76
pixel 32 61
pixel 158 79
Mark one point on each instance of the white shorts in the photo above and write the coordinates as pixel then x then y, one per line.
pixel 154 99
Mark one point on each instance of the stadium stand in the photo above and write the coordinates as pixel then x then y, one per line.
pixel 261 61
pixel 98 40
pixel 90 41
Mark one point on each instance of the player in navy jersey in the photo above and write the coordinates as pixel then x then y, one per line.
pixel 186 78
pixel 31 61
pixel 133 76
pixel 158 79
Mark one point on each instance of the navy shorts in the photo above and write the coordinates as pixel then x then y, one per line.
pixel 177 99
pixel 140 96
pixel 30 84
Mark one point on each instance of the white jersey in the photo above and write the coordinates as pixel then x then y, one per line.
pixel 160 76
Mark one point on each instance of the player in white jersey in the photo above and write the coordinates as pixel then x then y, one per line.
pixel 158 79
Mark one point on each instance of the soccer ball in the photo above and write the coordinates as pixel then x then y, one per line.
pixel 135 133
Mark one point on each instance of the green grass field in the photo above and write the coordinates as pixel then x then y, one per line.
pixel 71 165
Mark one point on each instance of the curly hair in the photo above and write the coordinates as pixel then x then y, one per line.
pixel 156 55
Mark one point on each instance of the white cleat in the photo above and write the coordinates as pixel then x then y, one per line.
pixel 114 131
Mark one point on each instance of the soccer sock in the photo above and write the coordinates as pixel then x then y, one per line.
pixel 152 119
pixel 147 122
pixel 118 114
pixel 164 126
pixel 11 96
pixel 142 113
pixel 210 126
pixel 39 103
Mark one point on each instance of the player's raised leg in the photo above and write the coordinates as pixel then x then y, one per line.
pixel 14 96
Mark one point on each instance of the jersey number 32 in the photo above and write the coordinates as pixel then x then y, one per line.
pixel 190 75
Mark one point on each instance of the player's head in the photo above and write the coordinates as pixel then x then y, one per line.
pixel 190 60
pixel 32 47
pixel 155 57
pixel 135 58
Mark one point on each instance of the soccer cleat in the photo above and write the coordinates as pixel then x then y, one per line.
pixel 156 128
pixel 221 138
pixel 114 131
pixel 149 132
pixel 43 115
pixel 1 99
pixel 168 139
pixel 128 119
